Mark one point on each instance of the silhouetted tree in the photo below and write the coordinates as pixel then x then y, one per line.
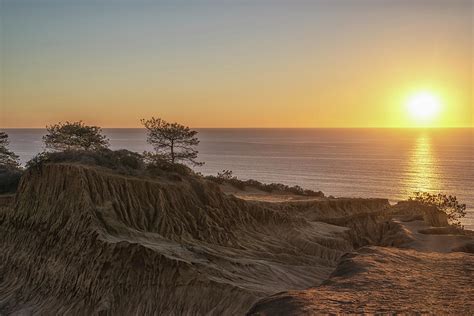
pixel 172 142
pixel 446 203
pixel 75 136
pixel 8 159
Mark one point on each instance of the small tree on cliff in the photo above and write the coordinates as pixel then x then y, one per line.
pixel 172 141
pixel 448 204
pixel 8 159
pixel 75 136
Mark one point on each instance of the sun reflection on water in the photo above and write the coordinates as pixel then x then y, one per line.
pixel 422 170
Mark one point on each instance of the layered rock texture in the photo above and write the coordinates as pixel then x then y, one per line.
pixel 82 240
pixel 377 280
pixel 418 270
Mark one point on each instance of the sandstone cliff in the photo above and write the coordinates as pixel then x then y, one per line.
pixel 82 240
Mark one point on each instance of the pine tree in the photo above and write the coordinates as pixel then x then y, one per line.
pixel 172 141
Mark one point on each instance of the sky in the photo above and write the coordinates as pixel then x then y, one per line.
pixel 261 63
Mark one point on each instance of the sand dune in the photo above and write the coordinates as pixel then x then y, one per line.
pixel 83 240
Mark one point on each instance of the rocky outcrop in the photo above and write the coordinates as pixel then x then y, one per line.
pixel 419 265
pixel 410 210
pixel 82 240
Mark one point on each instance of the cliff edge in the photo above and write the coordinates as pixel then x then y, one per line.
pixel 79 239
pixel 84 240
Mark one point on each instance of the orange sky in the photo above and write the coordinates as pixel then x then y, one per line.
pixel 215 64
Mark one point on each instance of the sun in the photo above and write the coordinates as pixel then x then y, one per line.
pixel 424 107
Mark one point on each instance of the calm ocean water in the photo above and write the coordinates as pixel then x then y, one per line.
pixel 390 163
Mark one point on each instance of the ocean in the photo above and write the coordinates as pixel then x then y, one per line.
pixel 387 163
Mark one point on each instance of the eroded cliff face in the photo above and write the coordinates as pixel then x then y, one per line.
pixel 407 261
pixel 81 240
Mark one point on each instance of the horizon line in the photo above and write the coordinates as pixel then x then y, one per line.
pixel 347 127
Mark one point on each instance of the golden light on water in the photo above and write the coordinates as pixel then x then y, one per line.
pixel 422 172
pixel 424 107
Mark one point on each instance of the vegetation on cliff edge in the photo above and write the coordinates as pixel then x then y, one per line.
pixel 226 176
pixel 445 203
pixel 10 169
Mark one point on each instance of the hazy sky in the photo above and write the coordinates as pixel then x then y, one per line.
pixel 333 63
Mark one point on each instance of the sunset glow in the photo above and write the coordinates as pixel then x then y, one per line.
pixel 236 63
pixel 195 157
pixel 424 107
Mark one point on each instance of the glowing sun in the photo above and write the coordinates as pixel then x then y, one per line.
pixel 424 107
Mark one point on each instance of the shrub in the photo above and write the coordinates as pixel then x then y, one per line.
pixel 226 176
pixel 37 161
pixel 122 161
pixel 125 159
pixel 445 203
pixel 156 164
